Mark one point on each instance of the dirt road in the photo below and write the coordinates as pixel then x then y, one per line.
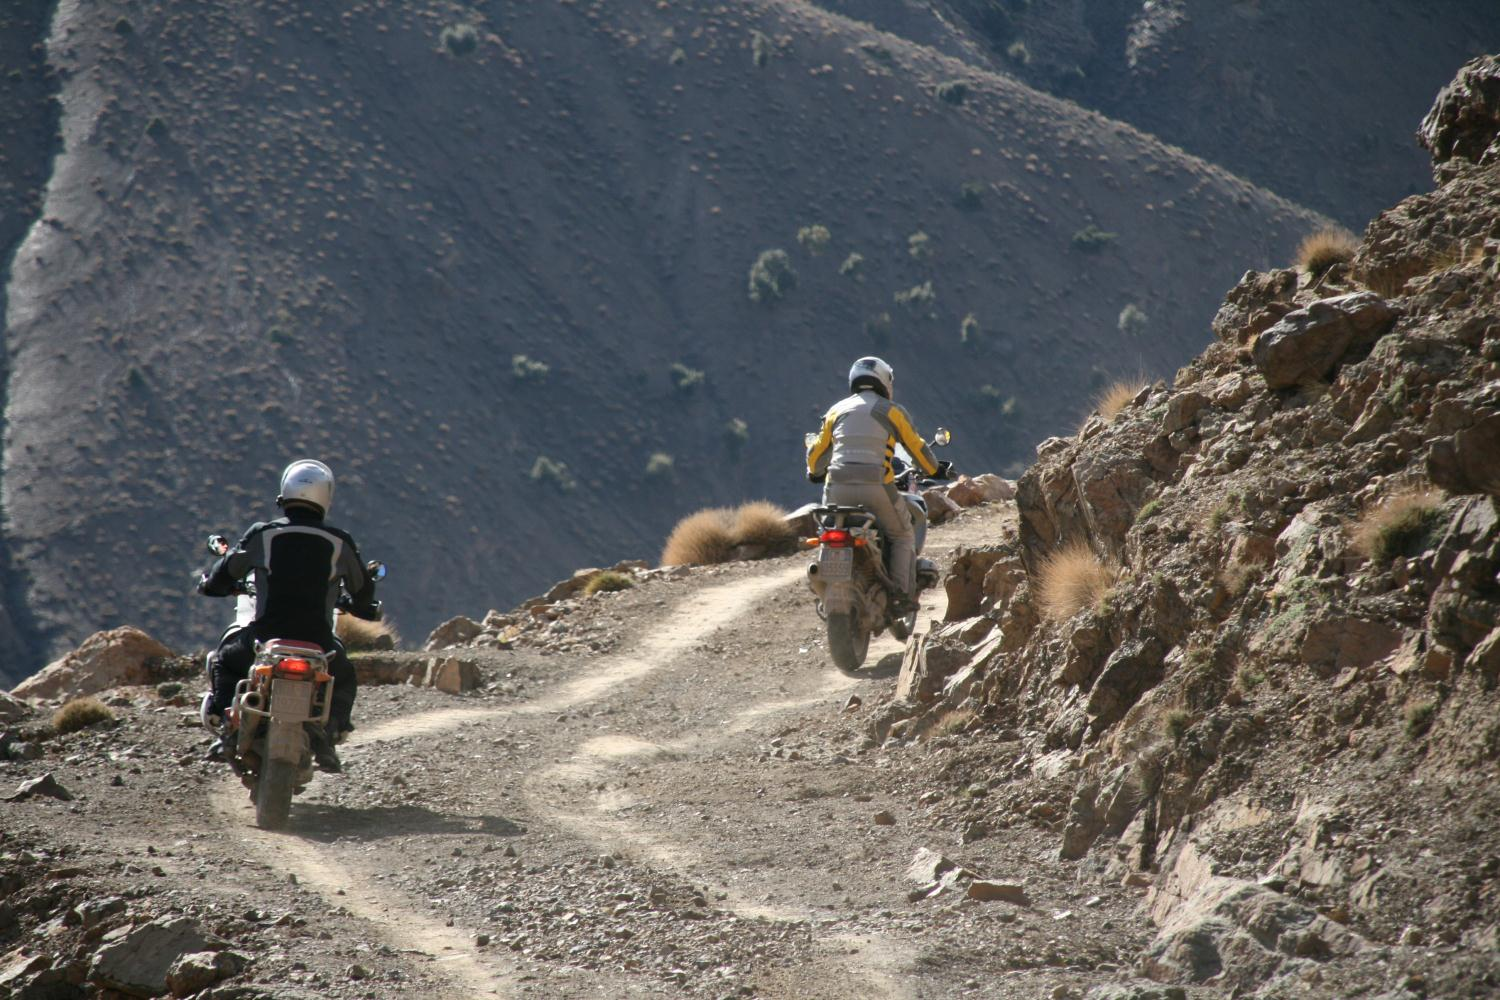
pixel 692 815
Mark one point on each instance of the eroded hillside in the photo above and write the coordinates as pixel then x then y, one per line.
pixel 1312 100
pixel 490 261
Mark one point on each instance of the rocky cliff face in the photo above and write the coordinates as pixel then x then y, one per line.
pixel 1277 708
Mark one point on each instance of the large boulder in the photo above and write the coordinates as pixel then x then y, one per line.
pixel 1259 300
pixel 452 675
pixel 1466 462
pixel 138 962
pixel 457 631
pixel 1231 931
pixel 926 667
pixel 1463 127
pixel 1308 343
pixel 12 709
pixel 108 659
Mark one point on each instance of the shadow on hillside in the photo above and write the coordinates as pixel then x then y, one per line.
pixel 326 823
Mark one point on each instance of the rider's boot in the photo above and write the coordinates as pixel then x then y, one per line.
pixel 324 754
pixel 218 750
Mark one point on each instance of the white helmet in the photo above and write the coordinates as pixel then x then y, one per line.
pixel 874 373
pixel 309 482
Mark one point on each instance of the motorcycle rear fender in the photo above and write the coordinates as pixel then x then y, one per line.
pixel 286 741
pixel 838 597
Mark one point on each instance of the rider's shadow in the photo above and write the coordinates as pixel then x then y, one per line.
pixel 328 823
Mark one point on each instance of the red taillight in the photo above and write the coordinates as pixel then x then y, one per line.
pixel 292 667
pixel 835 538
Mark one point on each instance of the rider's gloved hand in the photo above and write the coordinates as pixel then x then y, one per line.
pixel 944 470
pixel 817 478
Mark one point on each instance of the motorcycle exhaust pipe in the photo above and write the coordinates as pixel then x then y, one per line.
pixel 251 700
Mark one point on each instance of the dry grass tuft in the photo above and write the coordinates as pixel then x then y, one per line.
pixel 951 723
pixel 607 582
pixel 80 713
pixel 360 636
pixel 701 538
pixel 1071 579
pixel 1117 395
pixel 1400 524
pixel 761 523
pixel 1321 250
pixel 711 536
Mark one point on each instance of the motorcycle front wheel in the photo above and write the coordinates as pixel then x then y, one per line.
pixel 847 642
pixel 273 794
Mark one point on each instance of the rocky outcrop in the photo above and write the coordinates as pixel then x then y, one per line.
pixel 1463 127
pixel 108 659
pixel 1308 343
pixel 1300 608
pixel 139 962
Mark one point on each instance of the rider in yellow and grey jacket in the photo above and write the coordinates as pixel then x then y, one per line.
pixel 853 455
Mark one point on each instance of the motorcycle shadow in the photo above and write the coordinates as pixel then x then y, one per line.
pixel 888 665
pixel 326 823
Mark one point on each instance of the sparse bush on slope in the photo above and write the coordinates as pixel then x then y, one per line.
pixel 772 276
pixel 700 539
pixel 609 581
pixel 80 713
pixel 460 39
pixel 713 535
pixel 1071 579
pixel 1116 396
pixel 1092 239
pixel 359 635
pixel 1329 246
pixel 1400 524
pixel 761 522
pixel 814 239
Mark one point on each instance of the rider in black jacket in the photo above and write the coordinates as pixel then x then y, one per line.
pixel 299 565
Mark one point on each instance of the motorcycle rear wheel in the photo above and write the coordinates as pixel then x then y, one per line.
pixel 847 642
pixel 273 794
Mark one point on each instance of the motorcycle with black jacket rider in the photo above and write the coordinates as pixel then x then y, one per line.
pixel 300 568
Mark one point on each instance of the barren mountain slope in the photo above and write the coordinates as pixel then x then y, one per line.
pixel 1312 100
pixel 290 228
pixel 28 138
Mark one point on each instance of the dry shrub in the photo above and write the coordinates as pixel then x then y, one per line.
pixel 1321 250
pixel 1071 579
pixel 951 723
pixel 711 536
pixel 704 537
pixel 1116 396
pixel 608 581
pixel 761 523
pixel 360 636
pixel 80 713
pixel 1400 524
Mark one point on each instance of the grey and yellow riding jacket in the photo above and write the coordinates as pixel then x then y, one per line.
pixel 859 439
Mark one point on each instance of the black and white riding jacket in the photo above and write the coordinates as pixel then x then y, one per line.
pixel 298 565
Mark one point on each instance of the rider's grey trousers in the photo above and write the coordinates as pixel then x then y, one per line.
pixel 894 516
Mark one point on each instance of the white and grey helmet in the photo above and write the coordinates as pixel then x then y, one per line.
pixel 309 482
pixel 874 373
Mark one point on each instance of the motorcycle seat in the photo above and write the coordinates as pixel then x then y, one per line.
pixel 295 644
